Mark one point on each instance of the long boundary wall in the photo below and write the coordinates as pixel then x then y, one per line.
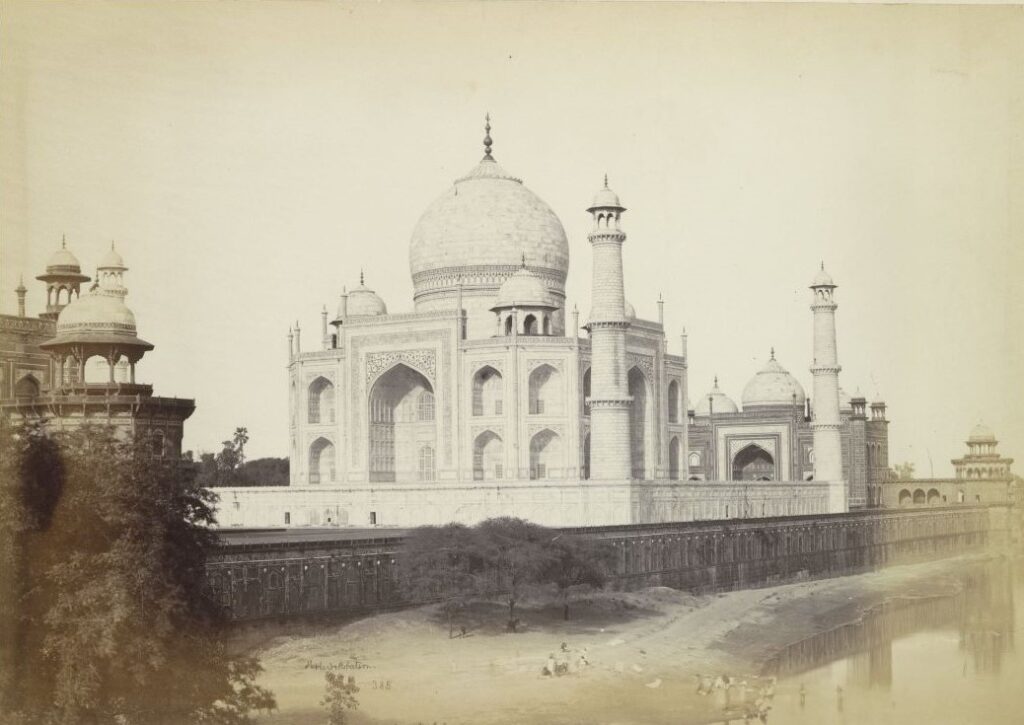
pixel 287 576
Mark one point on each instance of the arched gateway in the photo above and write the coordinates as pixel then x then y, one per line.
pixel 401 426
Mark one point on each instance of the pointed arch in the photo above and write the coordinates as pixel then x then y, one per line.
pixel 27 387
pixel 530 325
pixel 674 403
pixel 753 463
pixel 321 401
pixel 674 452
pixel 96 370
pixel 488 391
pixel 321 461
pixel 488 457
pixel 639 421
pixel 397 433
pixel 586 456
pixel 586 391
pixel 545 390
pixel 545 455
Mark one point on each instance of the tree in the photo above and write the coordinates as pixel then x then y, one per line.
pixel 265 472
pixel 114 617
pixel 577 564
pixel 230 467
pixel 339 698
pixel 903 471
pixel 441 563
pixel 515 553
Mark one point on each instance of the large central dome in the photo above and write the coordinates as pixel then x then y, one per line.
pixel 478 234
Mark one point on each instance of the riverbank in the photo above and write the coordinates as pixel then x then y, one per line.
pixel 633 656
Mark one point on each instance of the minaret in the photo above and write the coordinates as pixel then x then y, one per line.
pixel 828 455
pixel 20 291
pixel 609 396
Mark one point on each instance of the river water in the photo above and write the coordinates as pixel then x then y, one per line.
pixel 926 660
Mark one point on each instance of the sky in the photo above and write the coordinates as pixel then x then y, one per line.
pixel 248 159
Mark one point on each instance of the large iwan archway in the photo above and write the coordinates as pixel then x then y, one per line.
pixel 753 463
pixel 401 426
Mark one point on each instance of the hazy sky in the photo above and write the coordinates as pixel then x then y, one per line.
pixel 250 158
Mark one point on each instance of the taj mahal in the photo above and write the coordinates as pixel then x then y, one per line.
pixel 490 397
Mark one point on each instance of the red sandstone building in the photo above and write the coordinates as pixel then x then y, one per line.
pixel 75 363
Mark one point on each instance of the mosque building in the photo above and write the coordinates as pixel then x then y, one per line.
pixel 492 397
pixel 45 371
pixel 772 437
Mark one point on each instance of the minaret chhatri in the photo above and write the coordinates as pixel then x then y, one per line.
pixel 609 391
pixel 828 455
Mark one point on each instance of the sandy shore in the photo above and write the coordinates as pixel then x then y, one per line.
pixel 643 649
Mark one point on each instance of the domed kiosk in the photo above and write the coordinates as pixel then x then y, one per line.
pixel 524 306
pixel 63 280
pixel 97 324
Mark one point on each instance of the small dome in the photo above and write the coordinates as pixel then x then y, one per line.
pixel 63 261
pixel 981 433
pixel 364 302
pixel 773 385
pixel 716 401
pixel 604 199
pixel 822 279
pixel 111 260
pixel 523 289
pixel 96 312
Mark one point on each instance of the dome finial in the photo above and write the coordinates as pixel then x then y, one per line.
pixel 361 282
pixel 716 381
pixel 606 181
pixel 524 260
pixel 487 137
pixel 63 241
pixel 773 352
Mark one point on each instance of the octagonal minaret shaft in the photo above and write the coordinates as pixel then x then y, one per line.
pixel 828 454
pixel 609 398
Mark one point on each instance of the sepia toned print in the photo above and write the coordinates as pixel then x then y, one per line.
pixel 510 363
